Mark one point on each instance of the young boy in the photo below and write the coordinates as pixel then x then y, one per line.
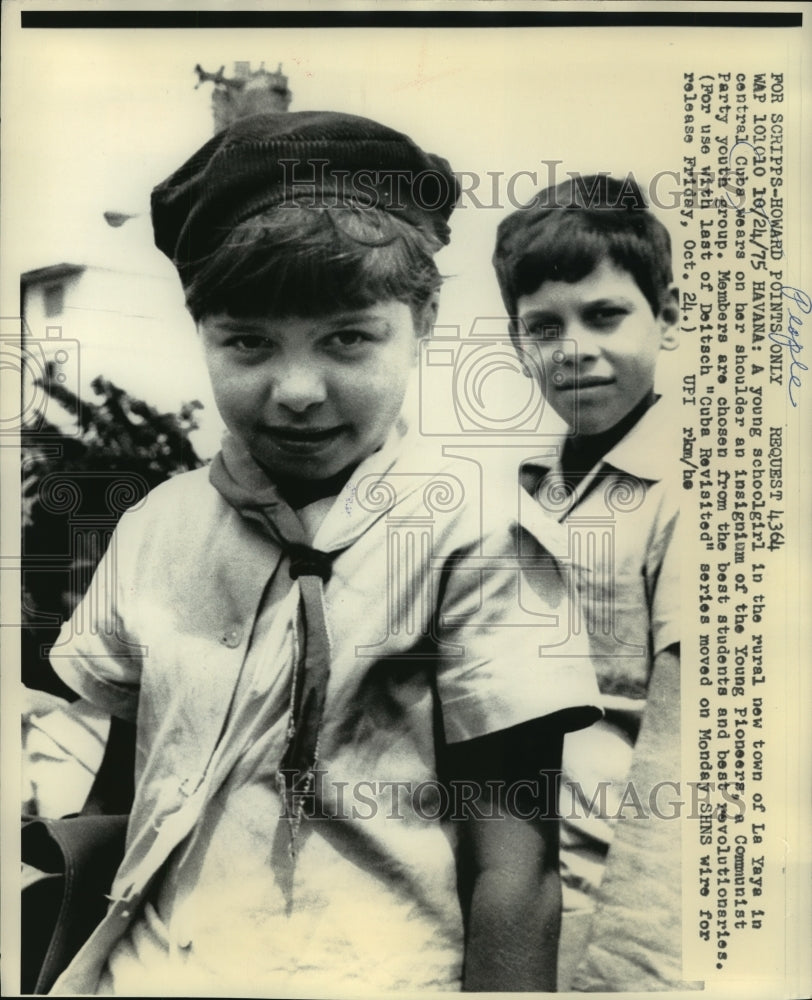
pixel 342 714
pixel 585 272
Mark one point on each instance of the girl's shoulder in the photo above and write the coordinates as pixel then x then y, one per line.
pixel 179 514
pixel 474 501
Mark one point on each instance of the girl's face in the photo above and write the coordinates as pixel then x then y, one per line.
pixel 310 397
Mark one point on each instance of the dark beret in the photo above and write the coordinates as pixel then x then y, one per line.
pixel 308 158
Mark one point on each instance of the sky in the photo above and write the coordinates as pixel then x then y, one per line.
pixel 93 119
pixel 98 117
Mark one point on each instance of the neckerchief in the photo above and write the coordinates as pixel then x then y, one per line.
pixel 396 469
pixel 243 483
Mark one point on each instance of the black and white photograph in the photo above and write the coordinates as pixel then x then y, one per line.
pixel 405 498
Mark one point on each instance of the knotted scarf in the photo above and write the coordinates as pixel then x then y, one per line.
pixel 244 485
pixel 401 464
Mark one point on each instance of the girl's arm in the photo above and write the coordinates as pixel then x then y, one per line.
pixel 505 789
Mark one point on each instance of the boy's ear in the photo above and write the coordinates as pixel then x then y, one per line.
pixel 669 319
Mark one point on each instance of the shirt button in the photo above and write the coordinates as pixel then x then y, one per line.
pixel 231 638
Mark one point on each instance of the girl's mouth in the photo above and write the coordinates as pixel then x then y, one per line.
pixel 302 438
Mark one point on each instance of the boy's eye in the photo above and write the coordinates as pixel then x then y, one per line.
pixel 544 331
pixel 606 315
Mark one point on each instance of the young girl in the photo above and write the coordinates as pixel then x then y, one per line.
pixel 345 719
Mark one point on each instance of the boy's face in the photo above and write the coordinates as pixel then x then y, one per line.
pixel 596 341
pixel 311 397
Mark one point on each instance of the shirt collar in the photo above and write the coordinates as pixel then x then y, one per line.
pixel 647 451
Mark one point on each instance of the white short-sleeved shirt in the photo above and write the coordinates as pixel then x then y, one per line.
pixel 187 630
pixel 621 524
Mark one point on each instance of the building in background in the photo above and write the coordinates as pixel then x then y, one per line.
pixel 99 315
pixel 95 319
pixel 118 302
pixel 247 92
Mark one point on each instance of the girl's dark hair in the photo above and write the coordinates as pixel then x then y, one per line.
pixel 303 261
pixel 563 236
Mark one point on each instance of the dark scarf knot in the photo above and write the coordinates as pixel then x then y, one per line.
pixel 305 561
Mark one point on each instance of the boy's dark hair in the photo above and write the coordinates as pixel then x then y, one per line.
pixel 566 230
pixel 304 261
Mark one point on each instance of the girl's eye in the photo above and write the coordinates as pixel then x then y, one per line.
pixel 249 342
pixel 348 338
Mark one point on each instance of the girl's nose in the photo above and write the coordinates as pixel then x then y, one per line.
pixel 298 386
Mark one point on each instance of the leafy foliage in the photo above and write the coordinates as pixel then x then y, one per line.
pixel 76 483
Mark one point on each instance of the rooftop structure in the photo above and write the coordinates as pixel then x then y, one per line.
pixel 247 92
